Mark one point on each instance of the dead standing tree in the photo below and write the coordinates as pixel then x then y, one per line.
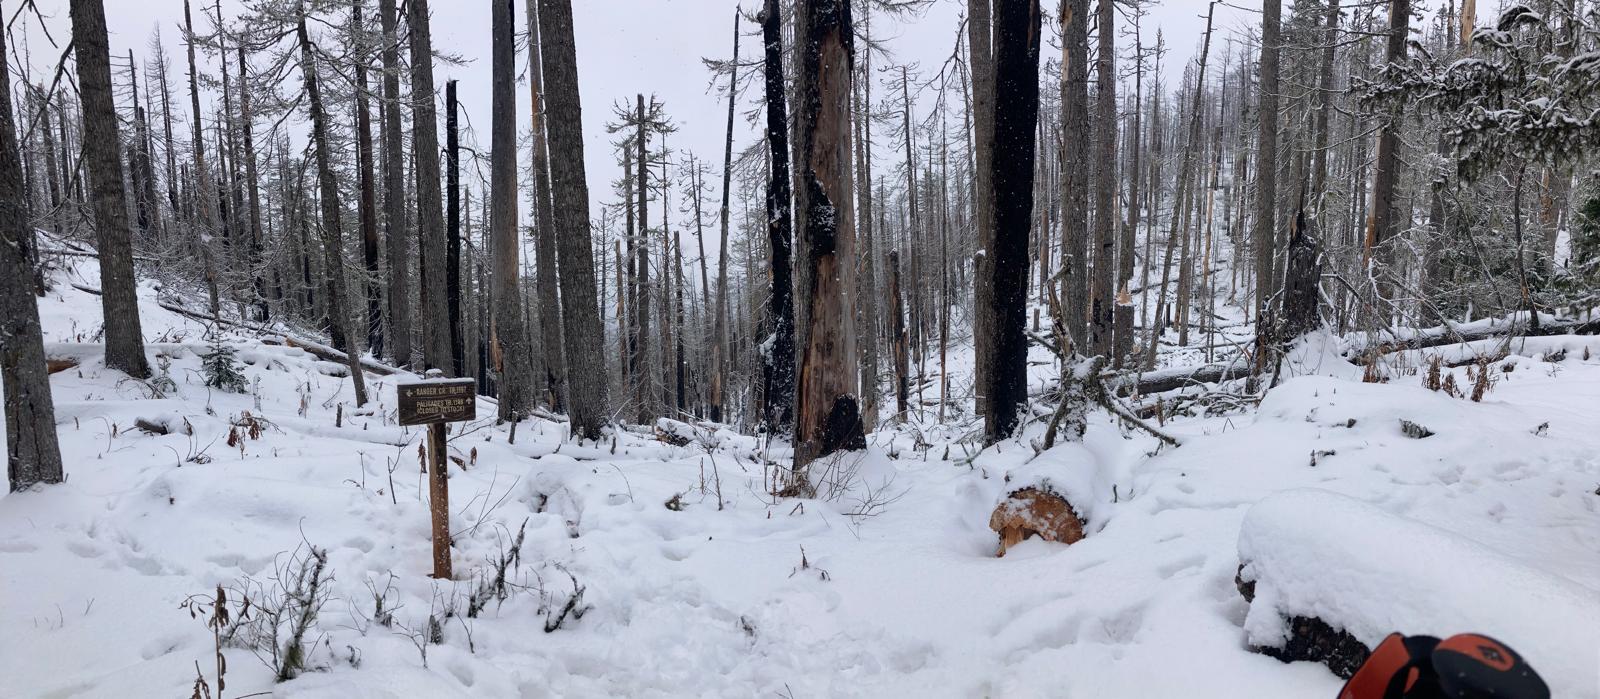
pixel 101 152
pixel 827 416
pixel 780 371
pixel 512 352
pixel 1016 114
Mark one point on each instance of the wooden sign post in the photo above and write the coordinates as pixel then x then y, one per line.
pixel 435 402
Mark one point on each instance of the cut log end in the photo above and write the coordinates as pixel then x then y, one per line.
pixel 1035 512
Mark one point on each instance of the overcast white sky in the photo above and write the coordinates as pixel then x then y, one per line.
pixel 631 46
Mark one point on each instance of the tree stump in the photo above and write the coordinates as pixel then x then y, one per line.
pixel 1033 511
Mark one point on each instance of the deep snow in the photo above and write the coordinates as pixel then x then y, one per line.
pixel 900 594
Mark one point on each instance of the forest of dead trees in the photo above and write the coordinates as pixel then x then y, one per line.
pixel 1355 165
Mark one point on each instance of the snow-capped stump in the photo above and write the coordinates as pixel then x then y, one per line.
pixel 1328 576
pixel 1035 510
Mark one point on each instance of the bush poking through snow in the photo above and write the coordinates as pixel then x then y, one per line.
pixel 1035 511
pixel 276 622
pixel 574 606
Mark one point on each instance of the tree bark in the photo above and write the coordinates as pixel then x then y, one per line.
pixel 827 415
pixel 780 375
pixel 516 400
pixel 102 157
pixel 1075 169
pixel 1378 250
pixel 980 56
pixel 436 316
pixel 1266 177
pixel 253 187
pixel 554 382
pixel 719 346
pixel 332 245
pixel 368 193
pixel 1101 302
pixel 587 393
pixel 1016 113
pixel 397 234
pixel 645 394
pixel 33 454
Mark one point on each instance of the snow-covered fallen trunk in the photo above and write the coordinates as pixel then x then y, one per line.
pixel 1313 554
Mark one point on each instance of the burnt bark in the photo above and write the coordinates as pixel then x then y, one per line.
pixel 554 381
pixel 780 375
pixel 397 233
pixel 1016 113
pixel 515 398
pixel 827 418
pixel 436 316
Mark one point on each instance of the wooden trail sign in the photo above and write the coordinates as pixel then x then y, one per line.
pixel 435 402
pixel 439 400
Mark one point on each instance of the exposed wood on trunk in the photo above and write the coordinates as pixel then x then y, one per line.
pixel 781 372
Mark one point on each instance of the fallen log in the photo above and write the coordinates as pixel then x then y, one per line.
pixel 1451 334
pixel 316 349
pixel 56 366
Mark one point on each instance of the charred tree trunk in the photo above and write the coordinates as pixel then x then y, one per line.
pixel 253 187
pixel 33 454
pixel 509 333
pixel 1016 113
pixel 897 338
pixel 332 245
pixel 827 417
pixel 587 394
pixel 645 394
pixel 102 157
pixel 452 213
pixel 1266 177
pixel 780 376
pixel 980 54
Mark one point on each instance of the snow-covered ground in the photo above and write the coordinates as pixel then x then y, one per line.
pixel 889 587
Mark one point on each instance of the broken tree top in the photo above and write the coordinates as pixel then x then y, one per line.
pixel 437 400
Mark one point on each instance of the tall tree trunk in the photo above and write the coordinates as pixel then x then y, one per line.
pixel 1379 251
pixel 719 346
pixel 1016 114
pixel 780 376
pixel 1122 344
pixel 332 245
pixel 1267 178
pixel 437 320
pixel 867 259
pixel 1075 171
pixel 980 56
pixel 452 213
pixel 33 454
pixel 102 155
pixel 1101 302
pixel 369 194
pixel 397 234
pixel 253 187
pixel 827 416
pixel 554 382
pixel 587 395
pixel 645 394
pixel 897 339
pixel 514 372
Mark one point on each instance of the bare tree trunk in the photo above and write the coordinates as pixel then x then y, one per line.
pixel 1101 303
pixel 780 376
pixel 102 155
pixel 554 382
pixel 897 339
pixel 1075 170
pixel 719 346
pixel 1122 341
pixel 587 394
pixel 33 454
pixel 1267 178
pixel 333 250
pixel 437 319
pixel 253 187
pixel 368 193
pixel 512 353
pixel 866 260
pixel 645 391
pixel 1016 113
pixel 397 234
pixel 827 415
pixel 452 217
pixel 980 55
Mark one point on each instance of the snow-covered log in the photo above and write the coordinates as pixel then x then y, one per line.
pixel 1328 576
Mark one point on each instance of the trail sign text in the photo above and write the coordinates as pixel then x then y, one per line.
pixel 427 402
